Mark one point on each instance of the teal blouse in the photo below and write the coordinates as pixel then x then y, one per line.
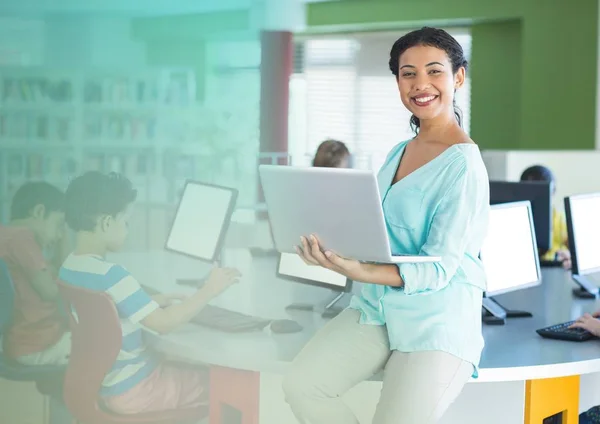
pixel 440 209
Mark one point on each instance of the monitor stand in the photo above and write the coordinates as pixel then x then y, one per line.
pixel 587 288
pixel 327 310
pixel 496 314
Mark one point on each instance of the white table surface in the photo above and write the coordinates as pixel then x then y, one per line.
pixel 513 352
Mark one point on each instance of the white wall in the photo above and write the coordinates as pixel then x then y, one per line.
pixel 21 42
pixel 575 171
pixel 91 42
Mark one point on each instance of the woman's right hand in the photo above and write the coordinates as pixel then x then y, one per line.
pixel 220 279
pixel 305 252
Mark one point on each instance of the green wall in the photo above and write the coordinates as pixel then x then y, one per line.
pixel 496 103
pixel 534 62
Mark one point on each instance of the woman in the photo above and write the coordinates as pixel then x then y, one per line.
pixel 420 323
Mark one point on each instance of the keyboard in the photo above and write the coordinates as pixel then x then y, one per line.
pixel 229 321
pixel 563 332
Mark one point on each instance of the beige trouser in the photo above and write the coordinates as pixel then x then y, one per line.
pixel 417 387
pixel 58 354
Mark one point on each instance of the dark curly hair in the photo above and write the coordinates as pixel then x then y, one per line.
pixel 31 194
pixel 95 194
pixel 432 37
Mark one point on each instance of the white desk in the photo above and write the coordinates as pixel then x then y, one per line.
pixel 513 353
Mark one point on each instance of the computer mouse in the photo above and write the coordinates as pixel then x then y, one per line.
pixel 281 326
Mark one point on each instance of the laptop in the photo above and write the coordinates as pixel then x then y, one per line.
pixel 341 206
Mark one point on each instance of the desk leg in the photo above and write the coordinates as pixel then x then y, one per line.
pixel 548 397
pixel 234 396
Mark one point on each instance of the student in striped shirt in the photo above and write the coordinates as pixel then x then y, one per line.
pixel 98 209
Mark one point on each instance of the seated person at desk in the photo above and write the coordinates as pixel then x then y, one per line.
pixel 591 323
pixel 98 209
pixel 332 154
pixel 560 243
pixel 419 323
pixel 38 333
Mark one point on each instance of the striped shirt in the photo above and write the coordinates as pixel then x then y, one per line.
pixel 134 363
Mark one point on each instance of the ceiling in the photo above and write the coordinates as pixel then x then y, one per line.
pixel 125 7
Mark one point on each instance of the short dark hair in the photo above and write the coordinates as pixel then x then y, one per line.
pixel 538 173
pixel 330 154
pixel 433 37
pixel 31 194
pixel 94 194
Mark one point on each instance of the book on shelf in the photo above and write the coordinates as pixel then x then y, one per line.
pixel 125 127
pixel 37 126
pixel 120 91
pixel 36 90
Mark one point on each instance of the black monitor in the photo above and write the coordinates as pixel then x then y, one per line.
pixel 583 228
pixel 539 194
pixel 292 267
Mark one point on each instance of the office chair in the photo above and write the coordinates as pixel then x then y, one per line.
pixel 96 342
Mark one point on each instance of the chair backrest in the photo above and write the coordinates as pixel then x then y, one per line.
pixel 7 296
pixel 96 341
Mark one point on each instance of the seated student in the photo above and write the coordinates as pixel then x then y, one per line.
pixel 332 154
pixel 590 323
pixel 38 332
pixel 98 209
pixel 560 245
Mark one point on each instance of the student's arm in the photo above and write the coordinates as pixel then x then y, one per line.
pixel 27 254
pixel 165 320
pixel 44 284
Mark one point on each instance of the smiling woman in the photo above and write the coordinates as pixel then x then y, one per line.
pixel 418 322
pixel 442 78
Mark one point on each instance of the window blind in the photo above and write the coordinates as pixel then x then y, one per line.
pixel 342 88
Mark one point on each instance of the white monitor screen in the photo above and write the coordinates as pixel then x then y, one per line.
pixel 585 213
pixel 201 219
pixel 291 265
pixel 509 253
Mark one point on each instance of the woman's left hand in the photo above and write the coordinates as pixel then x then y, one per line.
pixel 310 251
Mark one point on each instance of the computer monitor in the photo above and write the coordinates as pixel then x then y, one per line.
pixel 583 228
pixel 201 221
pixel 539 193
pixel 292 267
pixel 510 258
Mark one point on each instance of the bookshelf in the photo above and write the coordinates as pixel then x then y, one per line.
pixel 145 124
